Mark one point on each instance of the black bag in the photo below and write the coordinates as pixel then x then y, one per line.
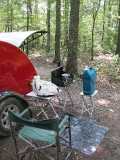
pixel 56 76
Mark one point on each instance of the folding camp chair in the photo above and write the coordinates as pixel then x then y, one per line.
pixel 34 131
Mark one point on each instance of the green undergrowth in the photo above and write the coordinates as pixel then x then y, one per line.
pixel 109 68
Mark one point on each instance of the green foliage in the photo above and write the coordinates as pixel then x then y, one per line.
pixel 114 68
pixel 109 68
pixel 38 21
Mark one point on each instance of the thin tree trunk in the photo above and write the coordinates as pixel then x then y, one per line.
pixel 92 45
pixel 95 12
pixel 66 22
pixel 103 27
pixel 9 21
pixel 109 13
pixel 118 40
pixel 36 11
pixel 48 25
pixel 36 22
pixel 28 18
pixel 57 32
pixel 11 18
pixel 29 12
pixel 71 65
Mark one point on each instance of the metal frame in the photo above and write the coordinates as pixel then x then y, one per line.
pixel 89 108
pixel 31 38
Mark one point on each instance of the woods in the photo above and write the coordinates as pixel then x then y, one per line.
pixel 74 28
pixel 118 35
pixel 60 57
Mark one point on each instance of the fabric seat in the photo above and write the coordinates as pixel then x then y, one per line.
pixel 42 134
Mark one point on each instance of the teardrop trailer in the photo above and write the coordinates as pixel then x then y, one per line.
pixel 16 74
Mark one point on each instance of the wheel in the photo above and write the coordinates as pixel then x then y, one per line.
pixel 9 104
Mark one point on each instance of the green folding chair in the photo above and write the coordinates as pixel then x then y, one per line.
pixel 35 132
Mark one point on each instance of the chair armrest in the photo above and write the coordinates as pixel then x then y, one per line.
pixel 50 124
pixel 24 111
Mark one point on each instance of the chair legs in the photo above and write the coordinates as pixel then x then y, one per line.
pixel 14 140
pixel 57 147
pixel 69 130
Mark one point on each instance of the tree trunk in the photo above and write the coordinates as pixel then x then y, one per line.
pixel 9 21
pixel 71 65
pixel 103 30
pixel 36 22
pixel 29 12
pixel 66 20
pixel 92 45
pixel 109 17
pixel 95 12
pixel 118 40
pixel 48 25
pixel 57 32
pixel 36 11
pixel 11 18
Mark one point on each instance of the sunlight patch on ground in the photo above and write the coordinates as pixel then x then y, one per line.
pixel 103 102
pixel 101 152
pixel 104 57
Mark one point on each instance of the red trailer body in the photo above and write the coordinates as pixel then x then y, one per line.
pixel 16 74
pixel 16 70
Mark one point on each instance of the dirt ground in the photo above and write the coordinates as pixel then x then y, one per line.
pixel 107 113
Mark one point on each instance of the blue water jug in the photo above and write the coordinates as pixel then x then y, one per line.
pixel 89 81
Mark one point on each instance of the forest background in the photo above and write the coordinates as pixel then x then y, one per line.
pixel 76 28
